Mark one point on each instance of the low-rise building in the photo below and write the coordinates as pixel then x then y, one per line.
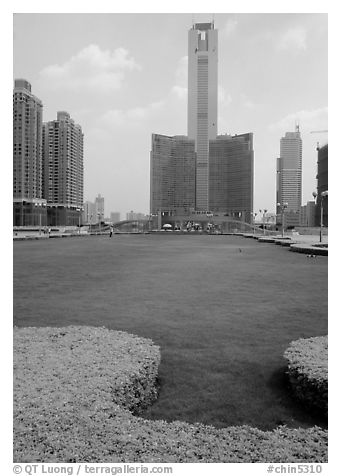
pixel 307 217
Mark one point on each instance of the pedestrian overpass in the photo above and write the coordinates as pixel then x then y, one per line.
pixel 220 225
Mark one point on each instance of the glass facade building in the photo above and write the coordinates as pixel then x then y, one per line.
pixel 202 172
pixel 172 174
pixel 231 175
pixel 289 177
pixel 322 184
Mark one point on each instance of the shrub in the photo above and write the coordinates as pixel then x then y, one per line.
pixel 308 370
pixel 74 392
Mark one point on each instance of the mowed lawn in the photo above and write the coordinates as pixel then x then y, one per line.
pixel 223 309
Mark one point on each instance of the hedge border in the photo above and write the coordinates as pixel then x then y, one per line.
pixel 308 371
pixel 83 412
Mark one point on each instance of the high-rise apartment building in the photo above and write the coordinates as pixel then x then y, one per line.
pixel 202 101
pixel 29 207
pixel 289 177
pixel 172 181
pixel 231 175
pixel 63 170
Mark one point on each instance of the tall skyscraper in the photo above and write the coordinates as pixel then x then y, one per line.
pixel 172 181
pixel 231 176
pixel 289 176
pixel 202 172
pixel 322 183
pixel 27 156
pixel 202 101
pixel 63 169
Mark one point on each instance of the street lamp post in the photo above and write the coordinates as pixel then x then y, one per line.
pixel 282 207
pixel 323 195
pixel 254 222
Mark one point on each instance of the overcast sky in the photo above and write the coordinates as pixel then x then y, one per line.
pixel 123 77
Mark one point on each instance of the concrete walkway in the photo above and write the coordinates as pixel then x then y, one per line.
pixel 309 244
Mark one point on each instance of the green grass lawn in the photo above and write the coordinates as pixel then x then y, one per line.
pixel 222 317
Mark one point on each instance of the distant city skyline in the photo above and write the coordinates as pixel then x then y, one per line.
pixel 103 71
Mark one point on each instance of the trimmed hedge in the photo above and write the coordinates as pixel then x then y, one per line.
pixel 308 370
pixel 75 389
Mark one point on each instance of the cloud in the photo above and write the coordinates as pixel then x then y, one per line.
pixel 316 119
pixel 180 91
pixel 230 27
pixel 181 72
pixel 224 111
pixel 224 99
pixel 293 39
pixel 247 102
pixel 91 69
pixel 130 117
pixel 181 75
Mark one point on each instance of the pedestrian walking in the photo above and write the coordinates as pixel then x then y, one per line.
pixel 111 230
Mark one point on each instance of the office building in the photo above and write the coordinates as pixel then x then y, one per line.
pixel 63 170
pixel 307 217
pixel 115 217
pixel 172 181
pixel 289 178
pixel 202 172
pixel 322 184
pixel 29 206
pixel 99 208
pixel 202 101
pixel 89 213
pixel 136 216
pixel 231 176
pixel 93 212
